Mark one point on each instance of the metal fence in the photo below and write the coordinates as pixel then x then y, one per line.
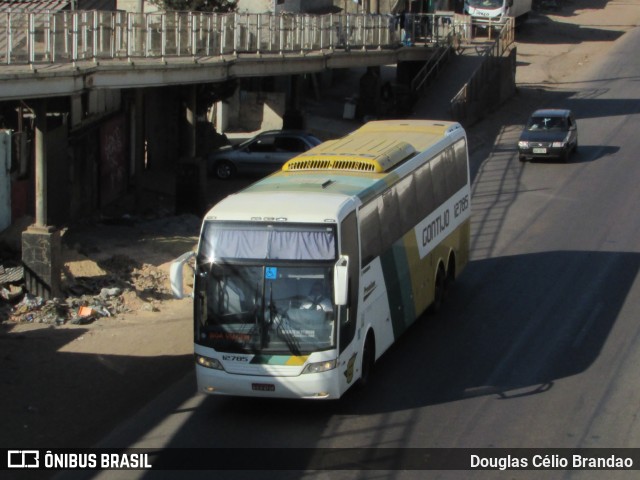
pixel 72 36
pixel 484 90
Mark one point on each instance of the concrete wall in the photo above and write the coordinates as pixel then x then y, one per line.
pixel 163 107
pixel 251 111
pixel 304 6
pixel 59 176
pixel 374 6
pixel 134 6
pixel 255 6
pixel 83 169
pixel 130 5
pixel 285 6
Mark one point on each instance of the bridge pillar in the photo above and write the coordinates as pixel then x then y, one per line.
pixel 189 149
pixel 42 261
pixel 293 116
pixel 222 116
pixel 41 249
pixel 137 142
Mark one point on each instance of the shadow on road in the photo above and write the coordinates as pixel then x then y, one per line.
pixel 503 333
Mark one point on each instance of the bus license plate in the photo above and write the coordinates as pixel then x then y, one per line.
pixel 539 150
pixel 263 387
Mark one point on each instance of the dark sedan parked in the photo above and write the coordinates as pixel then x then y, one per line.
pixel 262 154
pixel 550 133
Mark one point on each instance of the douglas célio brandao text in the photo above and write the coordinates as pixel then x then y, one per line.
pixel 573 461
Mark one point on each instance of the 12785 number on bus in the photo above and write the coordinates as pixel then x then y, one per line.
pixel 460 206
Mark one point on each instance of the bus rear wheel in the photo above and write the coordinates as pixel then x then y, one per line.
pixel 368 358
pixel 451 273
pixel 439 290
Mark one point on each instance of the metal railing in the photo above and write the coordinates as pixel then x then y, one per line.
pixel 430 69
pixel 73 36
pixel 462 105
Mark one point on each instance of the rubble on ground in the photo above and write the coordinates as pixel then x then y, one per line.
pixel 115 285
pixel 88 299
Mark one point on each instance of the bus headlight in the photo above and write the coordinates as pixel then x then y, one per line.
pixel 208 362
pixel 320 367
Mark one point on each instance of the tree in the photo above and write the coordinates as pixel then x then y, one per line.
pixel 217 6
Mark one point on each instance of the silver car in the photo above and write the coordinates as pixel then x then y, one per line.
pixel 262 154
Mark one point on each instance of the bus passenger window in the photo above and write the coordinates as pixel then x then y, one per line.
pixel 424 191
pixel 389 218
pixel 407 203
pixel 439 187
pixel 460 155
pixel 370 232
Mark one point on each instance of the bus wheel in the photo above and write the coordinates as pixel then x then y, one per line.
pixel 439 290
pixel 451 273
pixel 368 356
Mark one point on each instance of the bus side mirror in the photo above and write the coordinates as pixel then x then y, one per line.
pixel 175 274
pixel 341 281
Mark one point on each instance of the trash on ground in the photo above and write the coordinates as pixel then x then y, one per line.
pixel 122 284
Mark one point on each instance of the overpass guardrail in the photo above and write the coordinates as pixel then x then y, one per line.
pixel 30 38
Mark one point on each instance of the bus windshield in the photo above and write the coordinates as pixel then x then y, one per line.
pixel 244 241
pixel 265 309
pixel 265 288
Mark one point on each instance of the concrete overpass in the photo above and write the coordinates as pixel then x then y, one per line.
pixel 24 82
pixel 68 53
pixel 70 59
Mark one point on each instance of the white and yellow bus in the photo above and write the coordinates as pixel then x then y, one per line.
pixel 376 223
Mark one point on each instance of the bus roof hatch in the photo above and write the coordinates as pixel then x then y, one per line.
pixel 373 155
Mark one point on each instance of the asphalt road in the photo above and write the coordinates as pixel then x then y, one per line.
pixel 538 345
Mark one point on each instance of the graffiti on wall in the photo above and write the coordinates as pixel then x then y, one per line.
pixel 113 159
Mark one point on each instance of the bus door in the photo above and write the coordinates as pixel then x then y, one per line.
pixel 349 356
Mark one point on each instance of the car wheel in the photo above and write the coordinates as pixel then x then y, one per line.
pixel 575 147
pixel 522 158
pixel 565 155
pixel 224 170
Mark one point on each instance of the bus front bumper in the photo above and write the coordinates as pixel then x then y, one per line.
pixel 314 386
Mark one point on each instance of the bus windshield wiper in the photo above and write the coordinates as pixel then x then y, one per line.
pixel 289 338
pixel 277 319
